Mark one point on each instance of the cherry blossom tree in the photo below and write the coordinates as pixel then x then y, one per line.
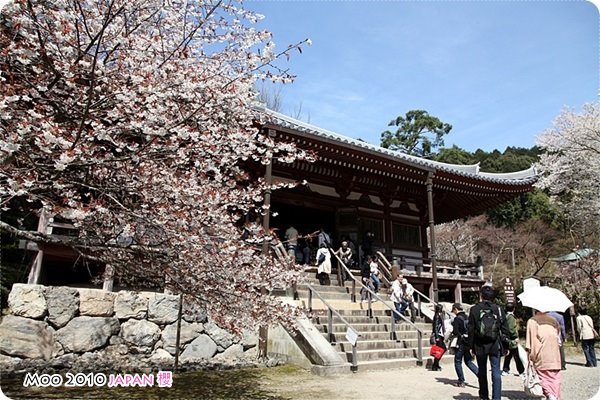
pixel 133 119
pixel 570 167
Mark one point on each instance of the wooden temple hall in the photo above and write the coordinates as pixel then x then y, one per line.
pixel 356 188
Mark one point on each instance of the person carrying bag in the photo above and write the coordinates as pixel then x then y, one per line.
pixel 439 347
pixel 532 384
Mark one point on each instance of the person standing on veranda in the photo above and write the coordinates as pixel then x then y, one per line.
pixel 291 240
pixel 542 345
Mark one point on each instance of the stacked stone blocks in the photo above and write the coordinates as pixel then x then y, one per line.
pixel 50 322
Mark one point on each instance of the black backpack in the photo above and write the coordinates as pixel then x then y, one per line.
pixel 465 332
pixel 463 328
pixel 488 329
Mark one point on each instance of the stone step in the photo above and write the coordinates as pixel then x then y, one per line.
pixel 312 269
pixel 360 328
pixel 377 347
pixel 384 354
pixel 363 319
pixel 377 365
pixel 381 344
pixel 355 309
pixel 324 290
pixel 329 295
pixel 339 337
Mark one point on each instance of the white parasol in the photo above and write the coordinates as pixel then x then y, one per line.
pixel 545 298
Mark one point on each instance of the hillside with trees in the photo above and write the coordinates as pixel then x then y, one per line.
pixel 562 214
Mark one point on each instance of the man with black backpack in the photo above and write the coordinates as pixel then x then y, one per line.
pixel 460 330
pixel 488 331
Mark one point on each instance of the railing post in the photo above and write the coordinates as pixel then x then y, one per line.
pixel 310 296
pixel 353 296
pixel 330 326
pixel 393 335
pixel 420 312
pixel 420 348
pixel 354 367
pixel 370 311
pixel 178 335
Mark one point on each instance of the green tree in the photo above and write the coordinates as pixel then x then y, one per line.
pixel 455 155
pixel 418 134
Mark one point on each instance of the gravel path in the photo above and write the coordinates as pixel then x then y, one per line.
pixel 578 383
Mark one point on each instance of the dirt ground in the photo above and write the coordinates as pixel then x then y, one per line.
pixel 578 383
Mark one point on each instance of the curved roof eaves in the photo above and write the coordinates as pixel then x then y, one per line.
pixel 517 178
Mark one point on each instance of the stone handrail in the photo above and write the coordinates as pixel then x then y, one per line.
pixel 330 312
pixel 392 309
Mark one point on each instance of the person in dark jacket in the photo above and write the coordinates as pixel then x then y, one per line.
pixel 439 330
pixel 513 345
pixel 487 330
pixel 461 332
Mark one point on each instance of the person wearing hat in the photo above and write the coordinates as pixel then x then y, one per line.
pixel 460 330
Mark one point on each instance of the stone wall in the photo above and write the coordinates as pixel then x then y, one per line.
pixel 61 325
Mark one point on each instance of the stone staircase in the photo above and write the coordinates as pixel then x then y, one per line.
pixel 377 346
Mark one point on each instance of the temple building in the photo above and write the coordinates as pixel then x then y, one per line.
pixel 363 192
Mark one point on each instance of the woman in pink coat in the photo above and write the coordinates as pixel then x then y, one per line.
pixel 543 347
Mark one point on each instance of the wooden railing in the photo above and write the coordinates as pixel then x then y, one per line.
pixel 420 265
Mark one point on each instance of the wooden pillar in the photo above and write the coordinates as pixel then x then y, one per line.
pixel 387 225
pixel 263 330
pixel 36 266
pixel 458 293
pixel 433 254
pixel 267 205
pixel 109 276
pixel 387 198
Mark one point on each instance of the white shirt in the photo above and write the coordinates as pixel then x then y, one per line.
pixel 396 295
pixel 408 291
pixel 374 268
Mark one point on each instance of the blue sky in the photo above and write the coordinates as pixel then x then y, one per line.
pixel 498 71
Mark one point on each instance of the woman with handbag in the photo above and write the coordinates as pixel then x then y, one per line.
pixel 324 264
pixel 543 347
pixel 438 347
pixel 588 336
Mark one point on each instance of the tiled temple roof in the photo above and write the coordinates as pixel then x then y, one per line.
pixel 527 176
